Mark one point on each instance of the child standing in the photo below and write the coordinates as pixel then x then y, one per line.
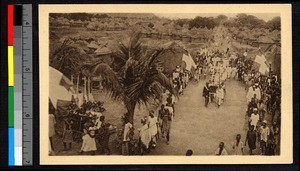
pixel 68 134
pixel 89 143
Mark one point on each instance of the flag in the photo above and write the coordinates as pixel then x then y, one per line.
pixel 189 62
pixel 262 62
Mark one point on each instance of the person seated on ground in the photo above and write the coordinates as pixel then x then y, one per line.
pixel 220 151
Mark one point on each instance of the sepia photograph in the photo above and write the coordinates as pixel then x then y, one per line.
pixel 165 82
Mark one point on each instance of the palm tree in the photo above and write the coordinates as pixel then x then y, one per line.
pixel 67 58
pixel 138 81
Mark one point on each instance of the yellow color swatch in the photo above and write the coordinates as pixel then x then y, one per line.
pixel 10 65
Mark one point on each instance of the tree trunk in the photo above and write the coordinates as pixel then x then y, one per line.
pixel 77 85
pixel 130 109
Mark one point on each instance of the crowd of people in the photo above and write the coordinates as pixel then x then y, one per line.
pixel 216 67
pixel 85 124
pixel 263 97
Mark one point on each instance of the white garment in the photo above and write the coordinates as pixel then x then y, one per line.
pixel 261 59
pixel 127 128
pixel 250 94
pixel 254 119
pixel 152 125
pixel 88 144
pixel 80 99
pixel 228 70
pixel 220 95
pixel 264 133
pixel 258 93
pixel 145 135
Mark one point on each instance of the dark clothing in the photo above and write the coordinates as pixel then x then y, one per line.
pixel 251 138
pixel 161 113
pixel 103 138
pixel 270 149
pixel 251 106
pixel 205 94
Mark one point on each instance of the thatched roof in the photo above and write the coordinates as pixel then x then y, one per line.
pixel 265 39
pixel 103 51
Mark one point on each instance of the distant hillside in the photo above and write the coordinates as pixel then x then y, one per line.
pixel 132 15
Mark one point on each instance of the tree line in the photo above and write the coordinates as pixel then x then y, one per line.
pixel 241 20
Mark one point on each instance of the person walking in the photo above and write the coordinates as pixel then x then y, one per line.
pixel 274 136
pixel 237 146
pixel 144 137
pixel 264 136
pixel 160 117
pixel 219 95
pixel 254 118
pixel 152 122
pixel 251 139
pixel 166 125
pixel 205 94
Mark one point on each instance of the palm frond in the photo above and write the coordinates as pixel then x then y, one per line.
pixel 111 80
pixel 163 80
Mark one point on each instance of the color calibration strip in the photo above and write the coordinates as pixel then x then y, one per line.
pixel 20 85
pixel 10 34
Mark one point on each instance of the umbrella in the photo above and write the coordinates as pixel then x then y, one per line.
pixel 59 86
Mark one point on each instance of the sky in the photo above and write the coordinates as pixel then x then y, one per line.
pixel 264 16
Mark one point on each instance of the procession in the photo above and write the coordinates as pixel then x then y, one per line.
pixel 217 98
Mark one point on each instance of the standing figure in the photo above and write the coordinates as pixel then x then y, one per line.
pixel 274 135
pixel 68 134
pixel 219 95
pixel 166 125
pixel 89 143
pixel 264 136
pixel 254 118
pixel 152 122
pixel 205 94
pixel 251 139
pixel 126 136
pixel 51 129
pixel 238 146
pixel 144 136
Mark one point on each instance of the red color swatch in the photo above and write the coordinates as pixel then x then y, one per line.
pixel 10 25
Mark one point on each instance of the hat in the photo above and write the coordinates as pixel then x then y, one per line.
pixel 177 66
pixel 254 109
pixel 265 121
